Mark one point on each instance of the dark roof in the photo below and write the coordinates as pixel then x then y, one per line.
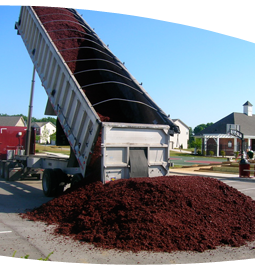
pixel 10 121
pixel 177 119
pixel 247 103
pixel 247 124
pixel 40 124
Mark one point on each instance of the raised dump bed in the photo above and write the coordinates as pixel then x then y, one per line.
pixel 89 89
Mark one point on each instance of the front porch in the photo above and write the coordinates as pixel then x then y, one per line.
pixel 224 142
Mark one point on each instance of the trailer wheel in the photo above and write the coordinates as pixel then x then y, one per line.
pixel 62 180
pixel 2 168
pixel 7 165
pixel 76 179
pixel 49 182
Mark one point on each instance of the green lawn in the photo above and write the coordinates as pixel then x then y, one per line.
pixel 181 154
pixel 41 148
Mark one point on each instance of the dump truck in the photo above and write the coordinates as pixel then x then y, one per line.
pixel 112 125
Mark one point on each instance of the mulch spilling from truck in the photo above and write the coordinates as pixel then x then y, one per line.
pixel 155 214
pixel 163 214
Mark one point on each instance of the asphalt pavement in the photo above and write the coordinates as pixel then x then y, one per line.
pixel 36 239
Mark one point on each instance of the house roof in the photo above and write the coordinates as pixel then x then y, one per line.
pixel 247 103
pixel 180 122
pixel 40 124
pixel 247 124
pixel 11 121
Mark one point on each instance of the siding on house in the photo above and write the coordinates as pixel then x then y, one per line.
pixel 40 127
pixel 180 139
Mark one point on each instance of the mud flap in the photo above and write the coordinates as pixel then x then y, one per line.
pixel 138 163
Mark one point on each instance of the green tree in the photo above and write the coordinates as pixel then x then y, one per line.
pixel 191 138
pixel 37 138
pixel 201 127
pixel 198 143
pixel 33 119
pixel 45 135
pixel 53 137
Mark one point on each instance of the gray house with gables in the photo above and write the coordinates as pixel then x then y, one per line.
pixel 217 137
pixel 12 121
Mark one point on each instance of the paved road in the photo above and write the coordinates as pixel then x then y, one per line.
pixel 35 238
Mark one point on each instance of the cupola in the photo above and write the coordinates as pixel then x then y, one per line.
pixel 247 108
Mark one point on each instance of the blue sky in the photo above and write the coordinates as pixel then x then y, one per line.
pixel 195 75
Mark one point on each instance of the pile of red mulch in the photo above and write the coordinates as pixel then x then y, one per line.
pixel 174 213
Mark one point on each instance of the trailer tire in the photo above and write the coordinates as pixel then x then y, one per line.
pixel 49 183
pixel 7 165
pixel 76 179
pixel 62 180
pixel 2 168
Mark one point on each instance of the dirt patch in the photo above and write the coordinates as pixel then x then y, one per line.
pixel 154 214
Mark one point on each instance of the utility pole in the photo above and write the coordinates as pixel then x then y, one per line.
pixel 30 108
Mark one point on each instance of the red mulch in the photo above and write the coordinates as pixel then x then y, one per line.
pixel 153 214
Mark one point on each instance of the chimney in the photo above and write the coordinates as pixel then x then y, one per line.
pixel 247 108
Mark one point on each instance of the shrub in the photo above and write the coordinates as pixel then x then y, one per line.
pixel 211 153
pixel 250 154
pixel 236 154
pixel 222 153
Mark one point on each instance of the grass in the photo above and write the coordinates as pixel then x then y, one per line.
pixel 41 148
pixel 182 154
pixel 174 153
pixel 11 260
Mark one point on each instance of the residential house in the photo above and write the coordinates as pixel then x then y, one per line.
pixel 12 121
pixel 217 137
pixel 44 130
pixel 180 139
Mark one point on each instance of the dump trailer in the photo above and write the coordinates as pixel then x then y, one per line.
pixel 114 128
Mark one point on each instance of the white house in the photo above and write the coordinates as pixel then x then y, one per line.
pixel 180 139
pixel 44 130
